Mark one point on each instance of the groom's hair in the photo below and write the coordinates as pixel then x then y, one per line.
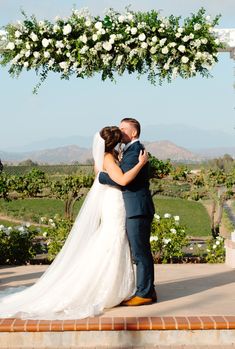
pixel 134 123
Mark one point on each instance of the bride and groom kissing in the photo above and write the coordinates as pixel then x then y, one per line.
pixel 94 269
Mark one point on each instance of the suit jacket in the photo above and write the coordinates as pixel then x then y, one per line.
pixel 136 194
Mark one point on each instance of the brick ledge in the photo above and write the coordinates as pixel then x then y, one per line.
pixel 120 324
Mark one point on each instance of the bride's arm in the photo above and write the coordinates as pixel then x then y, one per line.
pixel 116 174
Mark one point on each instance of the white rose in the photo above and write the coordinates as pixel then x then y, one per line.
pixel 180 30
pixel 186 38
pixel 130 17
pixel 83 38
pixel 142 37
pixel 121 19
pixel 36 54
pixel 133 31
pixel 119 60
pixel 162 42
pixel 153 238
pixel 46 54
pixel 165 50
pixel 172 44
pixel 88 23
pixel 94 37
pixel 98 25
pixel 59 44
pixel 107 46
pixel 204 41
pixel 27 53
pixel 173 231
pixel 63 65
pixel 67 29
pixel 176 218
pixel 56 28
pixel 33 36
pixel 156 216
pixel 26 64
pixel 144 45
pixel 167 215
pixel 18 34
pixel 197 26
pixel 153 50
pixel 51 62
pixel 10 46
pixel 181 48
pixel 113 36
pixel 191 36
pixel 217 41
pixel 184 59
pixel 154 39
pixel 177 35
pixel 208 18
pixel 45 42
pixel 166 66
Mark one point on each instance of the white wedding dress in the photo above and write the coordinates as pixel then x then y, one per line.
pixel 93 270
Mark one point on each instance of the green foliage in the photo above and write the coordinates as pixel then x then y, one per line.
pixel 158 168
pixel 17 245
pixel 168 238
pixel 50 169
pixel 56 235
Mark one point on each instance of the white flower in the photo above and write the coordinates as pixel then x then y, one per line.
pixel 217 41
pixel 198 55
pixel 133 30
pixel 63 65
pixel 107 46
pixel 172 44
pixel 88 23
pixel 184 59
pixel 10 46
pixel 44 234
pixel 191 36
pixel 83 38
pixel 214 247
pixel 142 37
pixel 191 248
pixel 199 245
pixel 167 215
pixel 9 228
pixel 173 231
pixel 144 45
pixel 181 48
pixel 180 30
pixel 51 62
pixel 1 227
pixel 208 250
pixel 27 53
pixel 67 29
pixel 204 41
pixel 59 44
pixel 98 25
pixel 41 23
pixel 186 38
pixel 197 26
pixel 94 37
pixel 28 45
pixel 153 238
pixel 56 28
pixel 46 54
pixel 121 19
pixel 3 33
pixel 33 36
pixel 175 72
pixel 166 241
pixel 45 42
pixel 156 216
pixel 162 42
pixel 165 50
pixel 18 34
pixel 53 225
pixel 130 17
pixel 27 224
pixel 26 64
pixel 154 39
pixel 208 18
pixel 153 50
pixel 176 218
pixel 217 242
pixel 119 60
pixel 21 229
pixel 177 35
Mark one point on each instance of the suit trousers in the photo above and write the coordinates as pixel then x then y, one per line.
pixel 138 231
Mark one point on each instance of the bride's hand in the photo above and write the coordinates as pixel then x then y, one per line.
pixel 143 157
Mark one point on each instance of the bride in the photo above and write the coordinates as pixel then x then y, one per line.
pixel 93 270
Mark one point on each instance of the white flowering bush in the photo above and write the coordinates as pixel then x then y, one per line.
pixel 215 250
pixel 168 238
pixel 56 234
pixel 142 42
pixel 17 244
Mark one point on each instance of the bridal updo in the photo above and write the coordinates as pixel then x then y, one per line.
pixel 112 136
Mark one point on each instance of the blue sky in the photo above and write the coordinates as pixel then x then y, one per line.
pixel 81 107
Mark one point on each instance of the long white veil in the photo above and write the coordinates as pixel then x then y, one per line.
pixel 39 299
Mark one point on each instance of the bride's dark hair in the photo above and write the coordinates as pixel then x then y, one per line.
pixel 112 136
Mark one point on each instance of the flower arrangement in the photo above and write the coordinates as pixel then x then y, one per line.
pixel 168 237
pixel 162 47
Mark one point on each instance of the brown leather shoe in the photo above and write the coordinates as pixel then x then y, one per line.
pixel 136 300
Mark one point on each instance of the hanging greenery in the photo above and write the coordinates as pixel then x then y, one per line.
pixel 146 43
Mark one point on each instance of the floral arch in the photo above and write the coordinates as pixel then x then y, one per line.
pixel 146 43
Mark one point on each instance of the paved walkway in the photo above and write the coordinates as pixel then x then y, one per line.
pixel 183 289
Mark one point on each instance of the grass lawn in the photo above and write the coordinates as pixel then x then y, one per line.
pixel 192 214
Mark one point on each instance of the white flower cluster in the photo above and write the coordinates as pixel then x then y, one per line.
pixel 83 45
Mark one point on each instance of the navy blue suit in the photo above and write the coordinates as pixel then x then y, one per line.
pixel 139 214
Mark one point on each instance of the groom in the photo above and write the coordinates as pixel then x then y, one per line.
pixel 139 213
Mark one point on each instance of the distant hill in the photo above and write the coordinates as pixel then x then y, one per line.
pixel 68 154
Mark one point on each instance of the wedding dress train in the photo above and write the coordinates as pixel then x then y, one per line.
pixel 93 270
